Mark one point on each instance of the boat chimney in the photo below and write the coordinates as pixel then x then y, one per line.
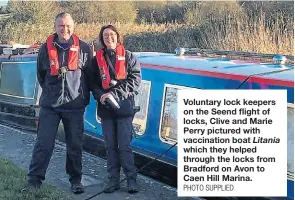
pixel 279 59
pixel 179 51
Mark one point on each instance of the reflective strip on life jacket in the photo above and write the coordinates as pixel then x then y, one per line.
pixel 53 55
pixel 120 67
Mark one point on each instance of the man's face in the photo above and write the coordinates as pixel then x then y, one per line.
pixel 64 27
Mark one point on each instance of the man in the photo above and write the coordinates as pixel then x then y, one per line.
pixel 62 68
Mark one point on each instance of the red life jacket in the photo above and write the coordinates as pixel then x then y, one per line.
pixel 53 55
pixel 120 67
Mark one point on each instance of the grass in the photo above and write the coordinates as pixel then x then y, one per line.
pixel 239 35
pixel 13 179
pixel 211 25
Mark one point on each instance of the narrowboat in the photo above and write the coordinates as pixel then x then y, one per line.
pixel 155 124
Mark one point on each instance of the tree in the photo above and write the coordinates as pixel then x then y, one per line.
pixel 91 11
pixel 151 12
pixel 2 10
pixel 115 11
pixel 78 9
pixel 204 12
pixel 33 11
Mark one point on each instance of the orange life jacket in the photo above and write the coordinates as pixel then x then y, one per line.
pixel 53 55
pixel 120 67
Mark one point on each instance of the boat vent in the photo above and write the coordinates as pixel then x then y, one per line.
pixel 269 58
pixel 179 51
pixel 281 60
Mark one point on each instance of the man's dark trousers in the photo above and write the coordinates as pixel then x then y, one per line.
pixel 117 134
pixel 49 119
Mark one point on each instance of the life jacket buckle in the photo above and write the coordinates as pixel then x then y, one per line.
pixel 62 71
pixel 113 83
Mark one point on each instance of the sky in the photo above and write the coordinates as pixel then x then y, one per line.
pixel 3 2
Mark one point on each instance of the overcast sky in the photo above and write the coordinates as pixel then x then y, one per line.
pixel 3 3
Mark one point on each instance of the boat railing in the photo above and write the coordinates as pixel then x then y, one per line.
pixel 18 49
pixel 275 58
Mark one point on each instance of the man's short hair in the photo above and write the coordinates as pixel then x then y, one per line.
pixel 62 15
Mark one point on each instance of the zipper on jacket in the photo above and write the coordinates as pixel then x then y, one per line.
pixel 63 75
pixel 63 79
pixel 63 87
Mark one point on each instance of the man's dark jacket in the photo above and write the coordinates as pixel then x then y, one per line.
pixel 122 90
pixel 72 92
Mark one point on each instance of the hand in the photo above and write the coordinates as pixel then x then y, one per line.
pixel 104 96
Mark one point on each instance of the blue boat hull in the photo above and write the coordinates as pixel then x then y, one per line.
pixel 163 75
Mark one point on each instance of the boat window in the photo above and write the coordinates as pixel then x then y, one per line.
pixel 290 139
pixel 18 79
pixel 168 123
pixel 142 100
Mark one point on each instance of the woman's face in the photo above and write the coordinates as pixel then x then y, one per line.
pixel 110 38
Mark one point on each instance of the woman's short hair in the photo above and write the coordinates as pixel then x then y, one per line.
pixel 113 28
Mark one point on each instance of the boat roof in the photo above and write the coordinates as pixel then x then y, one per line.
pixel 221 65
pixel 202 60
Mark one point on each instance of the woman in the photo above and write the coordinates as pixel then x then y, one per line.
pixel 117 76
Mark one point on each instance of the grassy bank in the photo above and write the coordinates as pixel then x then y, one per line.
pixel 230 35
pixel 264 27
pixel 13 179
